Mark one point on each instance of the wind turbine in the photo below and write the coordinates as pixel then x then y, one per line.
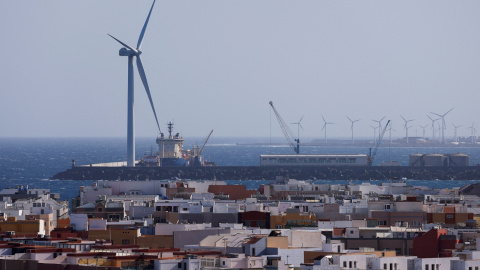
pixel 351 127
pixel 455 138
pixel 433 126
pixel 325 127
pixel 423 128
pixel 379 125
pixel 298 126
pixel 406 127
pixel 131 53
pixel 474 131
pixel 374 134
pixel 443 123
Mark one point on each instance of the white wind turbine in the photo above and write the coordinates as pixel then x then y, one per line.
pixel 474 132
pixel 298 127
pixel 325 127
pixel 379 125
pixel 455 138
pixel 131 53
pixel 374 134
pixel 423 128
pixel 433 126
pixel 351 127
pixel 443 123
pixel 406 127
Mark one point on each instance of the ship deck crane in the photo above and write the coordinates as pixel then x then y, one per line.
pixel 205 143
pixel 371 156
pixel 289 135
pixel 197 154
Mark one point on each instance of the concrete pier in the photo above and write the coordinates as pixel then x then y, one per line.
pixel 270 173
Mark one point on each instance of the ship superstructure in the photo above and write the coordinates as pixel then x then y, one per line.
pixel 170 149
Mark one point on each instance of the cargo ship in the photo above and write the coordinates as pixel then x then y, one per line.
pixel 171 154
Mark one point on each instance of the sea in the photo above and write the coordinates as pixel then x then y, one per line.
pixel 33 161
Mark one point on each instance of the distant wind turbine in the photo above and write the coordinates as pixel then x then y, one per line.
pixel 443 123
pixel 423 128
pixel 131 53
pixel 379 125
pixel 433 126
pixel 406 127
pixel 474 132
pixel 325 127
pixel 298 127
pixel 351 127
pixel 455 138
pixel 374 134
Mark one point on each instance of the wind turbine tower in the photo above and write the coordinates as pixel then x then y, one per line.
pixel 131 52
pixel 406 127
pixel 351 127
pixel 374 134
pixel 325 127
pixel 443 123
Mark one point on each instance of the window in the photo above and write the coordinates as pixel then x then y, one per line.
pixel 125 242
pixel 344 264
pixel 449 216
pixel 179 265
pixel 387 206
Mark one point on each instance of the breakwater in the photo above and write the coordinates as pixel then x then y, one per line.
pixel 270 173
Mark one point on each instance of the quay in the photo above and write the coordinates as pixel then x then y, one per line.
pixel 271 172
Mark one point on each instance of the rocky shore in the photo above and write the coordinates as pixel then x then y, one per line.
pixel 270 173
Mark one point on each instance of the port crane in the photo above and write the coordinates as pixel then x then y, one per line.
pixel 289 135
pixel 371 156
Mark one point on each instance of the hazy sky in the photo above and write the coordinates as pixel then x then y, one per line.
pixel 216 64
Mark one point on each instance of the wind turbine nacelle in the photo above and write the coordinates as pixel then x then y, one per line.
pixel 126 52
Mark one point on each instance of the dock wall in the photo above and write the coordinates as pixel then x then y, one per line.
pixel 270 173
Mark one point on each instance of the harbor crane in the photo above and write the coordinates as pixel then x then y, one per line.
pixel 371 156
pixel 289 135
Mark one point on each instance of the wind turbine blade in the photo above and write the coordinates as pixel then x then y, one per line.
pixel 323 119
pixel 403 118
pixel 140 38
pixel 448 111
pixel 124 45
pixel 301 119
pixel 349 119
pixel 382 119
pixel 141 71
pixel 436 114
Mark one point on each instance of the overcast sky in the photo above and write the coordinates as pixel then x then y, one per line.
pixel 216 65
